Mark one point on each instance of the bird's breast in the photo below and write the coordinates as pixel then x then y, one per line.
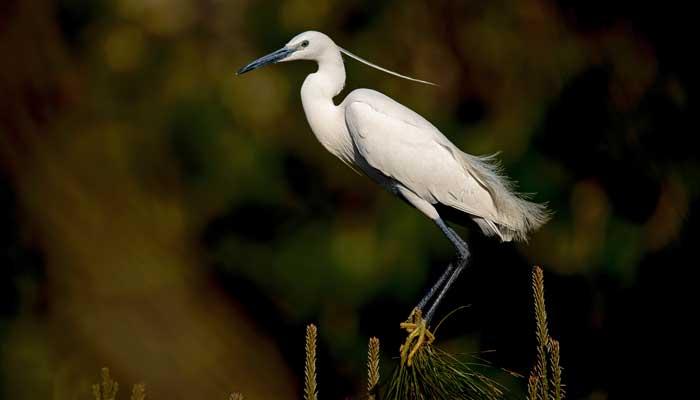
pixel 327 122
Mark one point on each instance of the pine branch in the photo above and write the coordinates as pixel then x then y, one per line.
pixel 436 374
pixel 310 392
pixel 542 332
pixel 556 390
pixel 533 387
pixel 372 367
pixel 107 390
pixel 138 392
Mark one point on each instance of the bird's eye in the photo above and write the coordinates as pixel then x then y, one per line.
pixel 304 43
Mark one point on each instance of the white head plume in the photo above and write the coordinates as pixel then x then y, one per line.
pixel 362 60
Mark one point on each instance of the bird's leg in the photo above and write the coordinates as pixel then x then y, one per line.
pixel 462 258
pixel 416 325
pixel 429 295
pixel 460 267
pixel 463 253
pixel 460 245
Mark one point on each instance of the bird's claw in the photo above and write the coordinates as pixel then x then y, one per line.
pixel 418 335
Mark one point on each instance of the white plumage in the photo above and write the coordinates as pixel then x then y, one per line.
pixel 402 151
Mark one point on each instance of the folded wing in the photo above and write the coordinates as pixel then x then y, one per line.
pixel 407 149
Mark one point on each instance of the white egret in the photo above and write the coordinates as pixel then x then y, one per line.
pixel 407 155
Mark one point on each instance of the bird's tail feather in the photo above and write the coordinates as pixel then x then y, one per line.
pixel 517 216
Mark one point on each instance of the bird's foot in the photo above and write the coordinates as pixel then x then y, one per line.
pixel 418 335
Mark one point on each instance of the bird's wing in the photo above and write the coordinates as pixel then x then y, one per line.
pixel 405 147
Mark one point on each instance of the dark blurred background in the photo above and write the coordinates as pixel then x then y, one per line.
pixel 181 225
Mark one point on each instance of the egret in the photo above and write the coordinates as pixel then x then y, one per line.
pixel 409 157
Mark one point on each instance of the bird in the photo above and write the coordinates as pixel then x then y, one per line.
pixel 409 157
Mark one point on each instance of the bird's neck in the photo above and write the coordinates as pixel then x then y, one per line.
pixel 328 81
pixel 325 118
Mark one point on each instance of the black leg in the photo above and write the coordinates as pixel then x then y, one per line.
pixel 462 257
pixel 460 245
pixel 429 295
pixel 460 266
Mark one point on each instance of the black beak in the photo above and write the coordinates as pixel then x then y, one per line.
pixel 271 58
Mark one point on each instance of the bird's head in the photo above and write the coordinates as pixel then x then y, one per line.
pixel 316 46
pixel 310 45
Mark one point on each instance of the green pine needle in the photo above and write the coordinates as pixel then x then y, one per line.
pixel 437 375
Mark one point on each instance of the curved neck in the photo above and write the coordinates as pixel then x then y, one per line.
pixel 328 81
pixel 325 118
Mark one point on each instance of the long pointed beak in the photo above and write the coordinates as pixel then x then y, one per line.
pixel 271 58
